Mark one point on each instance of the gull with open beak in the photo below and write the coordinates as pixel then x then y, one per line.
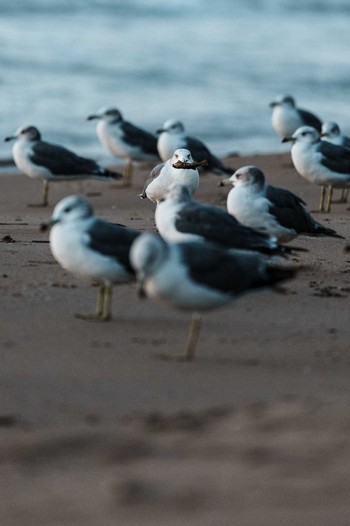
pixel 172 136
pixel 181 168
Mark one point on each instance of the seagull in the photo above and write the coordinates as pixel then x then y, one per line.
pixel 180 219
pixel 50 162
pixel 181 168
pixel 172 136
pixel 331 132
pixel 320 162
pixel 123 139
pixel 198 276
pixel 91 248
pixel 286 117
pixel 269 209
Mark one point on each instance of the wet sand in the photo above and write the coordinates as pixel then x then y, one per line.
pixel 95 429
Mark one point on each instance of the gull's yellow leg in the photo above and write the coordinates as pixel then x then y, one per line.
pixel 193 334
pixel 99 312
pixel 107 303
pixel 45 194
pixel 323 195
pixel 128 173
pixel 344 195
pixel 329 200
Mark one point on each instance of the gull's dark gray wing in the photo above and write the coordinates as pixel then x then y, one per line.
pixel 61 161
pixel 232 274
pixel 217 226
pixel 200 152
pixel 112 240
pixel 346 142
pixel 138 137
pixel 290 212
pixel 310 119
pixel 154 173
pixel 335 158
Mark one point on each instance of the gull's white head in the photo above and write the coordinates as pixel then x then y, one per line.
pixel 182 155
pixel 248 176
pixel 147 253
pixel 283 100
pixel 304 134
pixel 330 130
pixel 25 133
pixel 71 208
pixel 172 126
pixel 110 115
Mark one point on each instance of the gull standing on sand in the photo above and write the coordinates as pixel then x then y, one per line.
pixel 320 162
pixel 198 276
pixel 331 132
pixel 180 219
pixel 180 168
pixel 286 117
pixel 91 248
pixel 51 162
pixel 123 139
pixel 269 209
pixel 172 136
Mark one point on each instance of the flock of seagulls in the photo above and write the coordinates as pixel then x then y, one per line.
pixel 202 256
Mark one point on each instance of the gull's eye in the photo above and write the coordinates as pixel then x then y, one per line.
pixel 67 209
pixel 238 176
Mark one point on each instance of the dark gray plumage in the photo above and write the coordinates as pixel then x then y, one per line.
pixel 179 218
pixel 270 209
pixel 172 136
pixel 89 247
pixel 51 162
pixel 320 162
pixel 199 276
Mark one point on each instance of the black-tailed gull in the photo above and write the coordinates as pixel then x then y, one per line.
pixel 275 211
pixel 91 248
pixel 123 139
pixel 180 219
pixel 320 162
pixel 331 132
pixel 51 162
pixel 287 117
pixel 198 276
pixel 172 136
pixel 180 168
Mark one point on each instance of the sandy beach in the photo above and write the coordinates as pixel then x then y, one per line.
pixel 96 430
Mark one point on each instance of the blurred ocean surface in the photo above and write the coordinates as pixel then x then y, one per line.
pixel 214 64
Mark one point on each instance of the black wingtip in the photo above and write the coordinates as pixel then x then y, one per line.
pixel 278 274
pixel 328 232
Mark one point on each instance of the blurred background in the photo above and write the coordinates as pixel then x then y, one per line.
pixel 214 65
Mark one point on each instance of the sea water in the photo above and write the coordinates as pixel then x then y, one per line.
pixel 215 65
